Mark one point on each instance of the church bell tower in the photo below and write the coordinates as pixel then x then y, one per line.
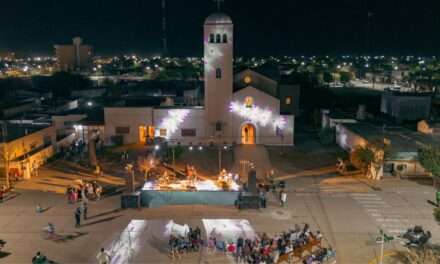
pixel 218 67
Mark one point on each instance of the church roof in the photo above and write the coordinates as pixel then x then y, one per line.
pixel 260 82
pixel 218 18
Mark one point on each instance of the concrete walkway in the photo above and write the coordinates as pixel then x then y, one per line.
pixel 256 154
pixel 349 221
pixel 57 176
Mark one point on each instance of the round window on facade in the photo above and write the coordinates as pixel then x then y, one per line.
pixel 247 79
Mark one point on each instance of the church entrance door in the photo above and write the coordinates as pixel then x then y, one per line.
pixel 248 134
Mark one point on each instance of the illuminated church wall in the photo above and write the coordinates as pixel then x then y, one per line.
pixel 266 134
pixel 189 129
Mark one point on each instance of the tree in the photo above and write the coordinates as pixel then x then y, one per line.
pixel 370 160
pixel 424 255
pixel 169 74
pixel 436 214
pixel 61 84
pixel 10 86
pixel 429 157
pixel 327 77
pixel 345 77
pixel 327 136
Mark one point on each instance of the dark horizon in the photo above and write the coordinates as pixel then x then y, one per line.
pixel 397 27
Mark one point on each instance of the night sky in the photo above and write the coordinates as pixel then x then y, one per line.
pixel 278 27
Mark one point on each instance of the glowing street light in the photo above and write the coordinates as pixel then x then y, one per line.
pixel 156 147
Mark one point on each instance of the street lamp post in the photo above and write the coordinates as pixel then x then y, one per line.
pixel 174 160
pixel 130 178
pixel 382 239
pixel 219 159
pixel 381 247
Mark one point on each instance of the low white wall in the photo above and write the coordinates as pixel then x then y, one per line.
pixel 132 117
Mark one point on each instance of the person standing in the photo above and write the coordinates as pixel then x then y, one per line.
pixel 84 210
pixel 39 258
pixel 78 217
pixel 283 197
pixel 262 199
pixel 103 257
pixel 1 194
pixel 78 193
pixel 239 247
pixel 98 192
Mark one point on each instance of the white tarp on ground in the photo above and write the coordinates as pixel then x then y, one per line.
pixel 141 236
pixel 228 230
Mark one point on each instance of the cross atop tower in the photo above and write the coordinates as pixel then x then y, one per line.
pixel 219 2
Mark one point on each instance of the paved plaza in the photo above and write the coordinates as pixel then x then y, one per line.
pixel 348 212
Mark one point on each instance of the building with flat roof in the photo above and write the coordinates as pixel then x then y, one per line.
pixel 74 57
pixel 23 148
pixel 406 106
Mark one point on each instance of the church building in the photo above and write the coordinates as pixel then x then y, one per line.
pixel 242 108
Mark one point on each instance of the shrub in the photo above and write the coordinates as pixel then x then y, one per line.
pixel 437 214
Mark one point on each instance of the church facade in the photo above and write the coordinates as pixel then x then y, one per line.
pixel 245 108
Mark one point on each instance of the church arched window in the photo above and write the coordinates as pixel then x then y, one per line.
pixel 218 38
pixel 249 101
pixel 225 38
pixel 218 73
pixel 211 38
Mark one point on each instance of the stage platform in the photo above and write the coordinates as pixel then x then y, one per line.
pixel 204 194
pixel 152 199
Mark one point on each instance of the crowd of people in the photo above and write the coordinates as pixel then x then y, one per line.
pixel 83 192
pixel 190 242
pixel 301 243
pixel 267 249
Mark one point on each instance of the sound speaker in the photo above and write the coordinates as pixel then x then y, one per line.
pixel 131 200
pixel 249 201
pixel 252 182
